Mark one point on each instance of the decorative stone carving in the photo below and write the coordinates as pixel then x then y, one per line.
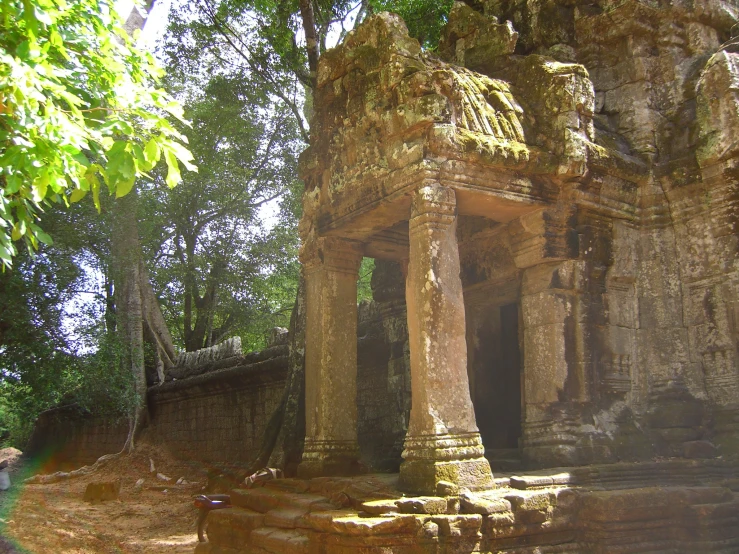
pixel 616 373
pixel 722 376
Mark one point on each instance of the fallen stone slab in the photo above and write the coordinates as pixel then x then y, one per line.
pixel 351 523
pixel 102 491
pixel 379 507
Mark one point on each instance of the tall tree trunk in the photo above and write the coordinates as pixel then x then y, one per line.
pixel 136 303
pixel 126 250
pixel 198 336
pixel 311 40
pixel 155 320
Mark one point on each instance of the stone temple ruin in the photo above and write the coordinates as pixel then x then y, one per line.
pixel 566 234
pixel 551 198
pixel 549 363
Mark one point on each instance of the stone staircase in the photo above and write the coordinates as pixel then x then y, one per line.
pixel 270 519
pixel 537 512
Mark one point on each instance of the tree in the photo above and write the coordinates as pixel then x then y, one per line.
pixel 215 261
pixel 51 356
pixel 261 40
pixel 77 103
pixel 139 316
pixel 424 18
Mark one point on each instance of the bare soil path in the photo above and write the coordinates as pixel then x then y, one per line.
pixel 158 517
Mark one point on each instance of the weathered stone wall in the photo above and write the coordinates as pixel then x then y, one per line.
pixel 220 416
pixel 629 342
pixel 213 417
pixel 67 438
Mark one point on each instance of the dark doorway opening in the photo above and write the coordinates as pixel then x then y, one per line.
pixel 497 385
pixel 508 374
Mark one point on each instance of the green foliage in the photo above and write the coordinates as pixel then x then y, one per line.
pixel 97 383
pixel 221 269
pixel 55 349
pixel 77 103
pixel 364 288
pixel 424 18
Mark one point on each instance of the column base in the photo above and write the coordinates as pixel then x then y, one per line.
pixel 458 459
pixel 330 459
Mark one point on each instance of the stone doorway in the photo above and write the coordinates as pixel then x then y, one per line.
pixel 496 373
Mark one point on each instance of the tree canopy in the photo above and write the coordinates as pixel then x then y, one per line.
pixel 78 102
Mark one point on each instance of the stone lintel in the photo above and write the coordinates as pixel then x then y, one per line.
pixel 331 254
pixel 383 203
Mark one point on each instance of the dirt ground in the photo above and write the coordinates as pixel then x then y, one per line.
pixel 159 517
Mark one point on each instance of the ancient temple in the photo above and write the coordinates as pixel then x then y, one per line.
pixel 566 232
pixel 551 198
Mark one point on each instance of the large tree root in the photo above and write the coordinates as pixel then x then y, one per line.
pixel 58 476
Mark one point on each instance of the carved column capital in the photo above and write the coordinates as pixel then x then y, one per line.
pixel 433 205
pixel 332 253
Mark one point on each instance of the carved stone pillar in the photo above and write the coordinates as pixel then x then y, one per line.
pixel 331 267
pixel 443 442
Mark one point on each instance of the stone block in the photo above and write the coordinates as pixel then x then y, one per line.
pixel 458 525
pixel 350 523
pixel 380 507
pixel 102 491
pixel 423 505
pixel 699 449
pixel 445 488
pixel 280 541
pixel 286 518
pixel 419 476
pixel 529 517
pixel 530 501
pixel 531 482
pixel 478 504
pixel 232 527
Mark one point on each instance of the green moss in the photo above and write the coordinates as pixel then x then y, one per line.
pixel 491 147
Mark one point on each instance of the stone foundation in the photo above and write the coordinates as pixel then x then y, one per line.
pixel 676 506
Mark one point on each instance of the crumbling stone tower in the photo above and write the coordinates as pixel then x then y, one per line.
pixel 558 185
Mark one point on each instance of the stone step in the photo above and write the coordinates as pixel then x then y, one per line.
pixel 210 548
pixel 286 518
pixel 231 528
pixel 280 541
pixel 264 499
pixel 288 485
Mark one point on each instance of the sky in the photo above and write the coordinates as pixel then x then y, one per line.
pixel 156 23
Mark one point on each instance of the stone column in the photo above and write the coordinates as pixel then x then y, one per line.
pixel 443 442
pixel 331 269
